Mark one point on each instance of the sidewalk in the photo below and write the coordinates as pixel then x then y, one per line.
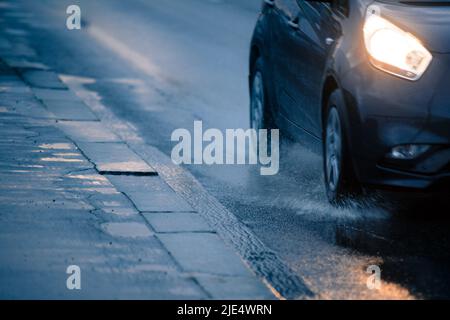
pixel 73 193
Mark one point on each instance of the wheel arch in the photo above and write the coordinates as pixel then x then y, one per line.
pixel 330 85
pixel 347 110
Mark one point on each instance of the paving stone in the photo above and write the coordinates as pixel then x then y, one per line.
pixel 116 204
pixel 21 49
pixel 70 110
pixel 8 77
pixel 16 32
pixel 12 88
pixel 111 158
pixel 53 94
pixel 204 252
pixel 87 131
pixel 5 71
pixel 160 202
pixel 26 107
pixel 150 194
pixel 127 229
pixel 4 43
pixel 234 288
pixel 177 222
pixel 22 63
pixel 43 79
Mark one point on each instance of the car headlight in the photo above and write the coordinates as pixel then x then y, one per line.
pixel 393 50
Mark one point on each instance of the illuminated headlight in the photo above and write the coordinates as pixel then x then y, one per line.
pixel 393 50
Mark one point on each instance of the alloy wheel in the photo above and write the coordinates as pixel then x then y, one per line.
pixel 333 149
pixel 257 114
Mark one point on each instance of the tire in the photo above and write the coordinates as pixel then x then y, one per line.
pixel 340 180
pixel 260 111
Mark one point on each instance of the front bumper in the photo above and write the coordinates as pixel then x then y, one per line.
pixel 385 111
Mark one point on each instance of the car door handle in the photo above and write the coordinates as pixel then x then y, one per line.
pixel 294 24
pixel 270 3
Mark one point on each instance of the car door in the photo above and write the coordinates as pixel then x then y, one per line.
pixel 313 42
pixel 285 14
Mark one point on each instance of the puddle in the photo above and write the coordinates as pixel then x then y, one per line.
pixel 101 190
pixel 127 229
pixel 7 5
pixel 93 177
pixel 60 160
pixel 125 166
pixel 117 208
pixel 57 146
pixel 68 154
pixel 16 32
pixel 122 212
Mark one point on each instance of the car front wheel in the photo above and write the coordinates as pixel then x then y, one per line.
pixel 340 180
pixel 260 114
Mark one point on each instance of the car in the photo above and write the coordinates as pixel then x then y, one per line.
pixel 365 83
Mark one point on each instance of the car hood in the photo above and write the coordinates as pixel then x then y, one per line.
pixel 427 20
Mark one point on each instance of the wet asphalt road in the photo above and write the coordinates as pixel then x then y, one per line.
pixel 161 66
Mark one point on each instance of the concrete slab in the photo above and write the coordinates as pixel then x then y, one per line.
pixel 20 49
pixel 160 202
pixel 8 89
pixel 53 94
pixel 4 43
pixel 87 131
pixel 115 158
pixel 116 204
pixel 16 32
pixel 150 194
pixel 234 288
pixel 177 222
pixel 127 229
pixel 70 110
pixel 43 79
pixel 205 253
pixel 29 108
